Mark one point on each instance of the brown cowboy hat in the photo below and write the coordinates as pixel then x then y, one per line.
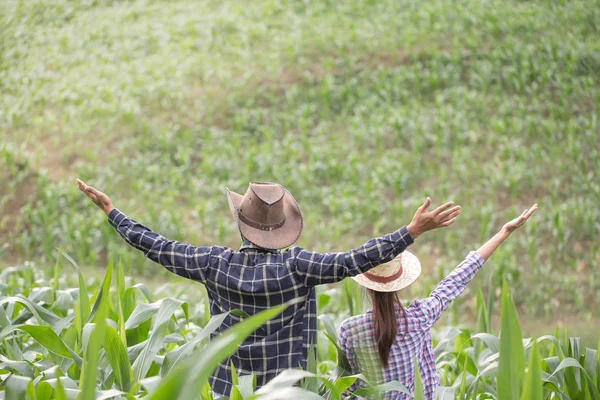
pixel 267 215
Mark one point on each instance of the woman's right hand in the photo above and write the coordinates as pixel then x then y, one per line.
pixel 424 220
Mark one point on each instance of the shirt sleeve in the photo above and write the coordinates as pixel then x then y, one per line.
pixel 182 259
pixel 344 343
pixel 450 288
pixel 320 268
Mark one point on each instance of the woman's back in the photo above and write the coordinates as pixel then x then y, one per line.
pixel 356 338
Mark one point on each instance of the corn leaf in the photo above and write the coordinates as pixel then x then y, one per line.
pixel 532 388
pixel 512 356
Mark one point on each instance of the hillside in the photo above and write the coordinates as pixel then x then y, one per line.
pixel 361 109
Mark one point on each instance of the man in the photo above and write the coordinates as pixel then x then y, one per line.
pixel 261 275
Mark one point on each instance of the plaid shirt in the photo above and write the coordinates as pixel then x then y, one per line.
pixel 356 336
pixel 254 279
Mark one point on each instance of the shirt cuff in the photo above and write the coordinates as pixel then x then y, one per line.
pixel 402 235
pixel 115 217
pixel 475 259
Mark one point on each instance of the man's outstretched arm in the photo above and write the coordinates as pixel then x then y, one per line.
pixel 182 259
pixel 319 268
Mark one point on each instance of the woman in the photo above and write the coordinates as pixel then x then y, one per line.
pixel 382 343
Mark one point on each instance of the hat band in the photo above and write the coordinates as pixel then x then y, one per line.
pixel 259 225
pixel 384 279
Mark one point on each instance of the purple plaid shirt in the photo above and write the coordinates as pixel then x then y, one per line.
pixel 254 279
pixel 356 336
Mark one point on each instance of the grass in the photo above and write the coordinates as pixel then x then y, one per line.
pixel 361 109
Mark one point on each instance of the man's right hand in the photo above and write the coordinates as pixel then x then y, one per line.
pixel 424 220
pixel 97 197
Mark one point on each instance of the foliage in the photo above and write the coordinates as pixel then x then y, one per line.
pixel 360 108
pixel 116 341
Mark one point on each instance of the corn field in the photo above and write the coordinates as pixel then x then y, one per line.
pixel 114 340
pixel 361 109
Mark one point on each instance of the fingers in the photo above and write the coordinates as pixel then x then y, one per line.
pixel 81 185
pixel 425 205
pixel 98 194
pixel 448 223
pixel 442 208
pixel 527 213
pixel 449 214
pixel 531 211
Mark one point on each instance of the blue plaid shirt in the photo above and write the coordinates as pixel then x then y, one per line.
pixel 254 279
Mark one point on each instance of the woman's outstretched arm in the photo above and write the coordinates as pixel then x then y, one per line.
pixel 456 282
pixel 491 245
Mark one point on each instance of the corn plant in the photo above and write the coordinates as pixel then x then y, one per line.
pixel 87 339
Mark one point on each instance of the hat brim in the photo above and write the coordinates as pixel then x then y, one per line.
pixel 411 270
pixel 282 237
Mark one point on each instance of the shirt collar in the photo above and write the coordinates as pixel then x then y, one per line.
pixel 248 245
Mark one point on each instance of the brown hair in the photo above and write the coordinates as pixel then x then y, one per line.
pixel 384 322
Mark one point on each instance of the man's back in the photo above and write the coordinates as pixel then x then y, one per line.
pixel 254 279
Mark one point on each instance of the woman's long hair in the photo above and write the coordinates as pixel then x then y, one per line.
pixel 385 323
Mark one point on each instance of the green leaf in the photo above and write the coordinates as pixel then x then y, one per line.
pixel 167 307
pixel 512 356
pixel 41 314
pixel 328 324
pixel 371 390
pixel 234 376
pixel 117 356
pixel 120 300
pixel 92 352
pixel 491 341
pixel 419 392
pixel 83 299
pixel 47 339
pixel 532 389
pixel 18 387
pixel 467 363
pixel 572 363
pixel 482 316
pixel 103 294
pixel 290 393
pixel 44 391
pixel 59 389
pixel 182 352
pixel 246 385
pixel 189 377
pixel 22 367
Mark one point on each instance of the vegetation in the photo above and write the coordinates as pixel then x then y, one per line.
pixel 119 341
pixel 360 108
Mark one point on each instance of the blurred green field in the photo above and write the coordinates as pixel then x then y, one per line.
pixel 360 108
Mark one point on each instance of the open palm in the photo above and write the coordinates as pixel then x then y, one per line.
pixel 97 197
pixel 516 223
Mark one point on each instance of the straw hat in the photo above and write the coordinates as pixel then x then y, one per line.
pixel 267 215
pixel 392 276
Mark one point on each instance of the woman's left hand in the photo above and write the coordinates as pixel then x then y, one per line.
pixel 516 223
